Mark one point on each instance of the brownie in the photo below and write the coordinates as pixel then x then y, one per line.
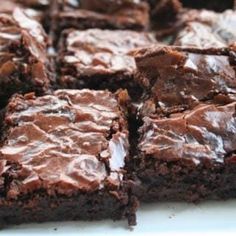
pixel 105 14
pixel 63 158
pixel 179 78
pixel 100 59
pixel 23 63
pixel 216 5
pixel 188 156
pixel 33 9
pixel 207 29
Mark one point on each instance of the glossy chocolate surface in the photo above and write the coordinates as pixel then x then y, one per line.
pixel 73 140
pixel 99 52
pixel 22 54
pixel 183 77
pixel 207 29
pixel 205 134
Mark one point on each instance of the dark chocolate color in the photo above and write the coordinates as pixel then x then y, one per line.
pixel 100 59
pixel 188 156
pixel 216 5
pixel 178 78
pixel 105 14
pixel 70 143
pixel 23 63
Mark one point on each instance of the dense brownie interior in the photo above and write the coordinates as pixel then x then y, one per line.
pixel 105 14
pixel 188 156
pixel 56 147
pixel 100 59
pixel 91 150
pixel 216 5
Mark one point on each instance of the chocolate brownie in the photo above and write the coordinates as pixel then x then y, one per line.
pixel 188 156
pixel 105 14
pixel 23 63
pixel 99 59
pixel 33 9
pixel 63 158
pixel 216 5
pixel 207 29
pixel 178 78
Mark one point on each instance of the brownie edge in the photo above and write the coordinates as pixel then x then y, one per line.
pixel 63 157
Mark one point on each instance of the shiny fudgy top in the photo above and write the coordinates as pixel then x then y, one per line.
pixel 31 8
pixel 122 14
pixel 22 47
pixel 73 140
pixel 182 77
pixel 204 135
pixel 207 29
pixel 96 51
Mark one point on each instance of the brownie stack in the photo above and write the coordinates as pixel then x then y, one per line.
pixel 105 104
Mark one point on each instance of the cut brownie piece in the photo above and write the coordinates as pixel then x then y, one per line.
pixel 178 78
pixel 100 59
pixel 105 14
pixel 207 29
pixel 216 5
pixel 63 158
pixel 188 156
pixel 23 63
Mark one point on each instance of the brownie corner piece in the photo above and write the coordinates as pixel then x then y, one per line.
pixel 187 156
pixel 178 78
pixel 24 66
pixel 64 157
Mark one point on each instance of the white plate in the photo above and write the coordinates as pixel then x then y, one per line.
pixel 212 218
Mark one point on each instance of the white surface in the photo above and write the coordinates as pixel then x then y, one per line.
pixel 210 218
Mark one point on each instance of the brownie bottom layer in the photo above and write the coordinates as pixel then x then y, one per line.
pixel 84 207
pixel 171 182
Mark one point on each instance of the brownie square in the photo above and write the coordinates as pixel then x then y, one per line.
pixel 23 62
pixel 100 59
pixel 207 29
pixel 188 156
pixel 179 78
pixel 216 5
pixel 63 158
pixel 105 14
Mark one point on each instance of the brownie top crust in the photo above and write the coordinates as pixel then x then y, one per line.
pixel 64 143
pixel 203 135
pixel 207 29
pixel 32 9
pixel 96 51
pixel 183 77
pixel 22 51
pixel 105 14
